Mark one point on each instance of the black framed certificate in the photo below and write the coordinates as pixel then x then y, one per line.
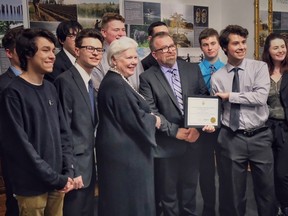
pixel 201 111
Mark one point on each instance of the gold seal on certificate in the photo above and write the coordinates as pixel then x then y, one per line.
pixel 201 111
pixel 213 120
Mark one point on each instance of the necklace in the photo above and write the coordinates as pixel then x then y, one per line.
pixel 127 81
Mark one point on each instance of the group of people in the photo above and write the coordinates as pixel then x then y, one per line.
pixel 95 94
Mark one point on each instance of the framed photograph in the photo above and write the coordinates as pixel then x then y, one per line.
pixel 201 111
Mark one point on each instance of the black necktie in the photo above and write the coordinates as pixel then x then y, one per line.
pixel 235 108
pixel 91 96
pixel 176 84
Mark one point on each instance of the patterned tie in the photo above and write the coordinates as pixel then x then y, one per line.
pixel 212 69
pixel 91 96
pixel 235 108
pixel 176 84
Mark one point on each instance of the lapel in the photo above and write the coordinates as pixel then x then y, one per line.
pixel 165 84
pixel 183 79
pixel 64 58
pixel 82 88
pixel 284 81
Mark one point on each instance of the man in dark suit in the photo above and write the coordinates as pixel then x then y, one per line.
pixel 154 28
pixel 177 154
pixel 78 101
pixel 66 34
pixel 9 44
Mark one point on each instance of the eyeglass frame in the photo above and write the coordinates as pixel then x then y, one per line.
pixel 72 36
pixel 171 47
pixel 88 48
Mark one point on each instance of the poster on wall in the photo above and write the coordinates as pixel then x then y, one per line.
pixel 11 16
pixel 138 17
pixel 48 13
pixel 90 12
pixel 179 18
pixel 280 23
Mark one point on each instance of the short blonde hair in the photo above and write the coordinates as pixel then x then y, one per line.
pixel 118 46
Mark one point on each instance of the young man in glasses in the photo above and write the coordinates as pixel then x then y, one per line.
pixel 66 33
pixel 164 87
pixel 77 96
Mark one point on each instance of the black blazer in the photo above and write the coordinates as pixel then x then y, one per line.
pixel 61 64
pixel 6 78
pixel 75 101
pixel 284 93
pixel 159 94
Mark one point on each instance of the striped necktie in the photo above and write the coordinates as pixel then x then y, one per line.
pixel 176 85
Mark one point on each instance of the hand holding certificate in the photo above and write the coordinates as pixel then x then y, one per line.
pixel 202 112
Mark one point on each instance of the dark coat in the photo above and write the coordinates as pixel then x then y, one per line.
pixel 284 93
pixel 78 113
pixel 125 138
pixel 159 94
pixel 61 64
pixel 6 78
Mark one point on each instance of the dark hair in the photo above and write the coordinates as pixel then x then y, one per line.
pixel 87 33
pixel 208 32
pixel 108 17
pixel 231 29
pixel 158 35
pixel 63 29
pixel 26 45
pixel 153 25
pixel 9 39
pixel 266 57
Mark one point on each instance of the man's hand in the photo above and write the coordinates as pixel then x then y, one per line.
pixel 78 182
pixel 223 95
pixel 193 135
pixel 158 122
pixel 68 187
pixel 208 128
pixel 182 133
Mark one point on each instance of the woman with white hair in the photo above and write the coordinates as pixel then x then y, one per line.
pixel 125 138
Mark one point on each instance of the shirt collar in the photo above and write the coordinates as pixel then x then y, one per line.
pixel 70 56
pixel 217 64
pixel 15 70
pixel 166 69
pixel 85 76
pixel 241 66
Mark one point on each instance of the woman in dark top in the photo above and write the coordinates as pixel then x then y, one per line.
pixel 275 55
pixel 125 138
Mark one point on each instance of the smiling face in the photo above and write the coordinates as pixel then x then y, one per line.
pixel 87 59
pixel 43 60
pixel 168 58
pixel 277 50
pixel 113 30
pixel 126 62
pixel 236 49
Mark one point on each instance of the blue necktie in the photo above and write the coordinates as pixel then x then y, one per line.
pixel 91 96
pixel 176 84
pixel 235 108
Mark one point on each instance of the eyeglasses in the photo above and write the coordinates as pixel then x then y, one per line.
pixel 72 36
pixel 166 49
pixel 92 49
